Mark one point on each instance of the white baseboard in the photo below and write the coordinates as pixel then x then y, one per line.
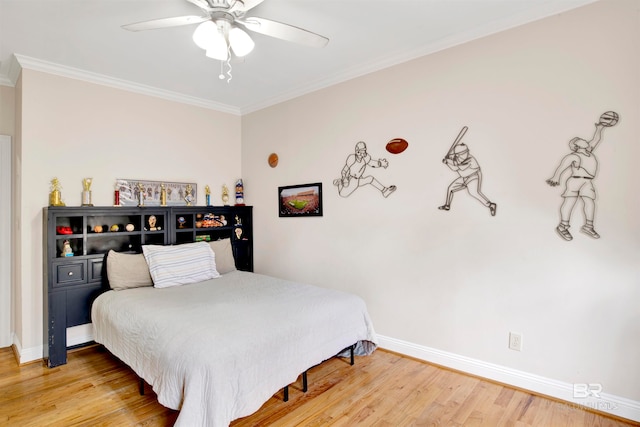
pixel 26 355
pixel 607 403
pixel 81 334
pixel 75 336
pixel 604 402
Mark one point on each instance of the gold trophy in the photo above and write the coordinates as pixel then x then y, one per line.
pixel 207 195
pixel 140 194
pixel 225 195
pixel 86 192
pixel 55 198
pixel 163 195
pixel 187 194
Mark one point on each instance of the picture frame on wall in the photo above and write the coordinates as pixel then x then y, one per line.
pixel 300 200
pixel 176 192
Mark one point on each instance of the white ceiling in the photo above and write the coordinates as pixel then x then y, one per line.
pixel 83 39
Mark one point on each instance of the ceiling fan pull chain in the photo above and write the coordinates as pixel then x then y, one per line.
pixel 221 75
pixel 229 64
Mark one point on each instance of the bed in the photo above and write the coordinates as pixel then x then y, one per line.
pixel 216 348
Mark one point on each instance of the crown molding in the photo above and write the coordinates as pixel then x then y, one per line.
pixel 26 62
pixel 10 72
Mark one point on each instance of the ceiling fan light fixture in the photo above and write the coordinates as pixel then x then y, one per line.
pixel 240 41
pixel 218 52
pixel 204 34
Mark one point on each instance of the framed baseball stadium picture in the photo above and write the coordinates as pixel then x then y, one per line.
pixel 300 200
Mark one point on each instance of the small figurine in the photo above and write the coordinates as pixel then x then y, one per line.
pixel 181 222
pixel 239 193
pixel 207 195
pixel 238 220
pixel 238 231
pixel 188 197
pixel 55 198
pixel 86 192
pixel 163 195
pixel 66 249
pixel 152 223
pixel 225 195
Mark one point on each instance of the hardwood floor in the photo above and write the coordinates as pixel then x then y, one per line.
pixel 95 389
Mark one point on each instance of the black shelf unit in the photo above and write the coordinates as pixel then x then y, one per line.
pixel 71 283
pixel 208 223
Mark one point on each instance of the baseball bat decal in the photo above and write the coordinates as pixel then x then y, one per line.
pixel 456 142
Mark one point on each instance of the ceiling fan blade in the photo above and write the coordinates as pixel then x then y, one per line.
pixel 243 5
pixel 202 4
pixel 283 31
pixel 165 23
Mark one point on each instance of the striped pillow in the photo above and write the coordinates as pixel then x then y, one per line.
pixel 180 264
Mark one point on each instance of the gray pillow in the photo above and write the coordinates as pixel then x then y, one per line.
pixel 225 262
pixel 126 271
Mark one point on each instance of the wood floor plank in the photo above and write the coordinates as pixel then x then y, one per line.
pixel 95 389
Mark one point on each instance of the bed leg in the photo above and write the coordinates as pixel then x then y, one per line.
pixel 286 393
pixel 304 382
pixel 351 350
pixel 141 387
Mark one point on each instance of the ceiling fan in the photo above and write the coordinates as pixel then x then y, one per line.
pixel 221 28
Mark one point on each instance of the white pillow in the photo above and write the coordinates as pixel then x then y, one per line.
pixel 180 264
pixel 225 262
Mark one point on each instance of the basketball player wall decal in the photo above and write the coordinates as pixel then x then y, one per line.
pixel 578 169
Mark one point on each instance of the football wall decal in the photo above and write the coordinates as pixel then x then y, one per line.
pixel 397 145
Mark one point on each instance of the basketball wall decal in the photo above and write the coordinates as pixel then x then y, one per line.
pixel 273 160
pixel 397 145
pixel 609 118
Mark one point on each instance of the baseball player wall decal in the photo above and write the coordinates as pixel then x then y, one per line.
pixel 580 168
pixel 459 160
pixel 353 174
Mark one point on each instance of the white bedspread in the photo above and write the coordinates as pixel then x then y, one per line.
pixel 217 350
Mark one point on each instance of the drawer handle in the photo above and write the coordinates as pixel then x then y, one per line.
pixel 71 273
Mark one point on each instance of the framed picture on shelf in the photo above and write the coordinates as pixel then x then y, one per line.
pixel 176 192
pixel 300 200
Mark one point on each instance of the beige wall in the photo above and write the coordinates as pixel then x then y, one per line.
pixel 73 129
pixel 456 281
pixel 7 110
pixel 459 281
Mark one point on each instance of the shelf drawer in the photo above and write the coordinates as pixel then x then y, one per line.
pixel 69 273
pixel 95 269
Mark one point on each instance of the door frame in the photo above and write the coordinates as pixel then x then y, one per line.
pixel 6 255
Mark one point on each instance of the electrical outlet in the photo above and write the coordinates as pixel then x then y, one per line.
pixel 515 341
